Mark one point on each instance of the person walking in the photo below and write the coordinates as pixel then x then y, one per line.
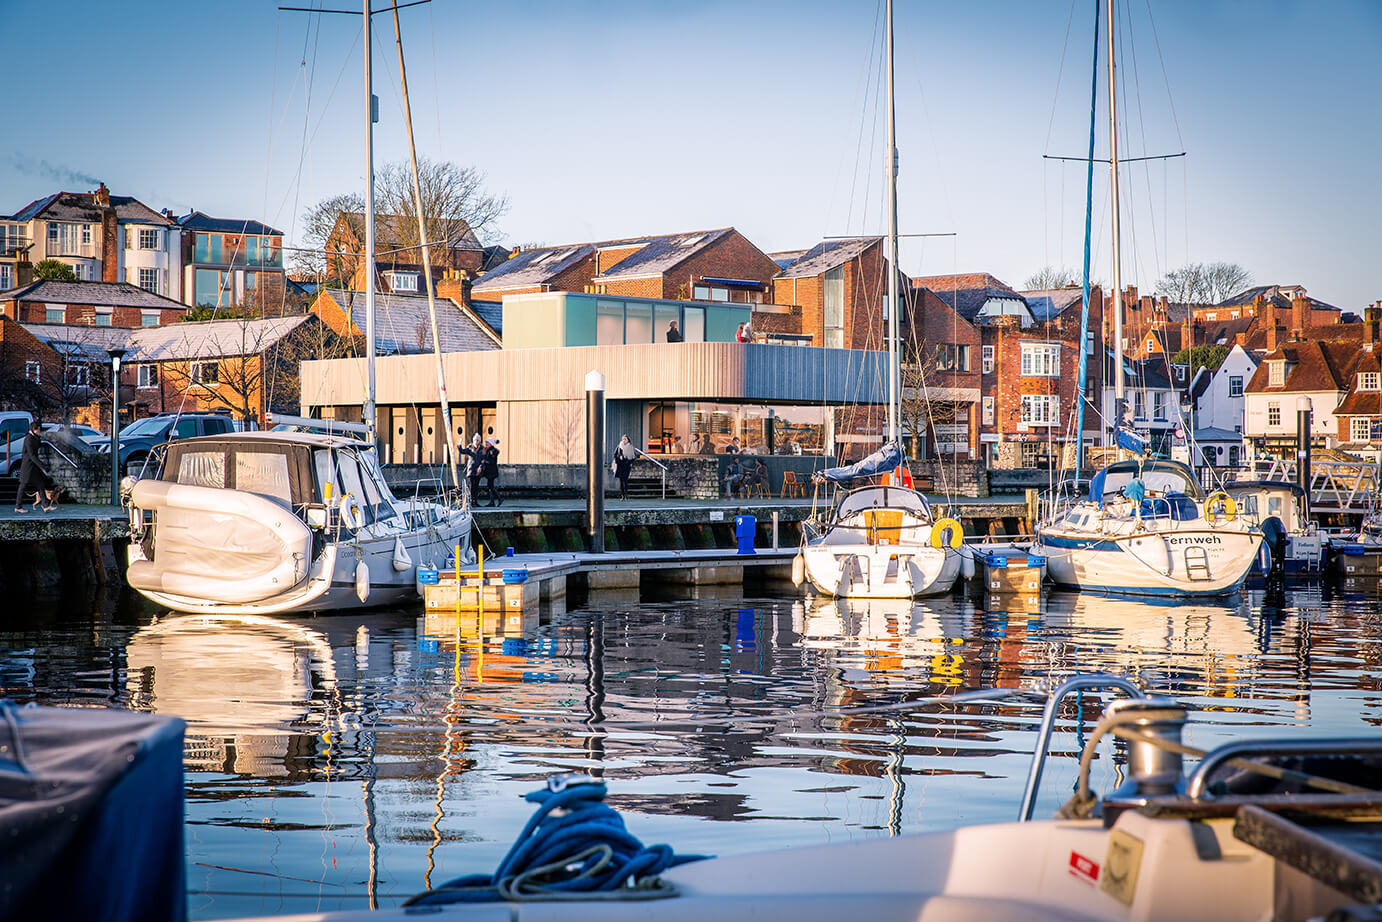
pixel 673 334
pixel 489 469
pixel 32 477
pixel 622 465
pixel 475 459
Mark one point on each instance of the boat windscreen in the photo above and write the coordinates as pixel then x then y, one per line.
pixel 274 471
pixel 883 497
pixel 1156 477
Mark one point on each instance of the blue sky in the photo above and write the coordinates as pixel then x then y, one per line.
pixel 613 119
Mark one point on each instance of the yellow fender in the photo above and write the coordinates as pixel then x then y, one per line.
pixel 956 532
pixel 1220 497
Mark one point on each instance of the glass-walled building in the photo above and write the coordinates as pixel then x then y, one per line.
pixel 230 262
pixel 562 318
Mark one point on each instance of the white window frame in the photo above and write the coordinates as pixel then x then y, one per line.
pixel 1235 386
pixel 79 270
pixel 6 277
pixel 104 314
pixel 1041 409
pixel 150 318
pixel 1370 381
pixel 198 374
pixel 1276 373
pixel 149 280
pixel 50 310
pixel 1159 402
pixel 987 411
pixel 408 282
pixel 33 371
pixel 987 358
pixel 1139 404
pixel 148 238
pixel 86 235
pixel 1274 413
pixel 1360 433
pixel 78 374
pixel 1041 360
pixel 146 376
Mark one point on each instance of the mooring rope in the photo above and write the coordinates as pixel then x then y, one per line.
pixel 575 847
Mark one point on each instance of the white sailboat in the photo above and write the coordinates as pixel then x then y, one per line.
pixel 298 519
pixel 1146 527
pixel 883 542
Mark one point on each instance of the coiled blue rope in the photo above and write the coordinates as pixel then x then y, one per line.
pixel 575 847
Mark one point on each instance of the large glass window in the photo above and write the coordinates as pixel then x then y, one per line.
pixel 834 319
pixel 251 251
pixel 62 239
pixel 638 322
pixel 693 327
pixel 1040 360
pixel 609 323
pixel 207 249
pixel 206 288
pixel 663 314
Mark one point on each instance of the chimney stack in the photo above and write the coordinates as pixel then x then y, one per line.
pixel 1271 334
pixel 110 244
pixel 1265 311
pixel 1299 306
pixel 1372 326
pixel 102 196
pixel 23 272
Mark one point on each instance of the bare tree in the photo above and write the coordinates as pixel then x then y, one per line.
pixel 921 370
pixel 455 204
pixel 1048 277
pixel 1204 283
pixel 564 431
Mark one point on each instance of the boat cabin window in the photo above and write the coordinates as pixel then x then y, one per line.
pixel 203 469
pixel 882 496
pixel 343 470
pixel 1155 479
pixel 264 473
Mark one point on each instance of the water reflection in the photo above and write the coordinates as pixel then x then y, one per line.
pixel 349 761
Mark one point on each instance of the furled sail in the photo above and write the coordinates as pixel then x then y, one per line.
pixel 884 459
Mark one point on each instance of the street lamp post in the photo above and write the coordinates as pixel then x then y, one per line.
pixel 115 356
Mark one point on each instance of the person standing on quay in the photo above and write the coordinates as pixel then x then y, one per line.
pixel 673 334
pixel 623 464
pixel 32 477
pixel 489 469
pixel 475 459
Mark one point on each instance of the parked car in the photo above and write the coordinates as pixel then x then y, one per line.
pixel 14 425
pixel 85 433
pixel 140 438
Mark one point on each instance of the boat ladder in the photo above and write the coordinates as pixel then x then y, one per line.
pixel 1196 563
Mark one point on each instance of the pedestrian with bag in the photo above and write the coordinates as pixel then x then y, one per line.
pixel 32 476
pixel 489 469
pixel 622 465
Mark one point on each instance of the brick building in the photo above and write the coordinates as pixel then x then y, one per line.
pixel 398 258
pixel 840 287
pixel 31 371
pixel 231 262
pixel 102 304
pixel 1249 302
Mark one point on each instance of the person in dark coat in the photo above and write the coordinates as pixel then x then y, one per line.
pixel 32 477
pixel 673 334
pixel 623 464
pixel 475 458
pixel 489 469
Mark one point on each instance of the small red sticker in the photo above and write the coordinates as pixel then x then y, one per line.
pixel 1083 868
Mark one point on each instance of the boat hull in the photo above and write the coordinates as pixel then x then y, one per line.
pixel 867 571
pixel 1151 563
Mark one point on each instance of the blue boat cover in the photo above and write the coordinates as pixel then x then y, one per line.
pixel 1131 441
pixel 91 815
pixel 884 459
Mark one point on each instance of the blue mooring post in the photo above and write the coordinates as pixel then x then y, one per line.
pixel 595 460
pixel 115 356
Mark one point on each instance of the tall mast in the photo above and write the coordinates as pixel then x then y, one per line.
pixel 369 229
pixel 1118 384
pixel 891 166
pixel 426 245
pixel 1084 351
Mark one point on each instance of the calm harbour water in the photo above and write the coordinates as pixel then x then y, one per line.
pixel 352 760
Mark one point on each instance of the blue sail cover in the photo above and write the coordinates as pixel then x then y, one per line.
pixel 1131 441
pixel 91 815
pixel 882 460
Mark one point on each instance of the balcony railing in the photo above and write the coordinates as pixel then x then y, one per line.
pixel 12 246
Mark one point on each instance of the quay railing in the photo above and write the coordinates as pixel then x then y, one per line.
pixel 1335 486
pixel 660 465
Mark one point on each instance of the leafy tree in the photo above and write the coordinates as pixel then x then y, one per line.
pixel 1197 357
pixel 1049 277
pixel 1203 283
pixel 55 270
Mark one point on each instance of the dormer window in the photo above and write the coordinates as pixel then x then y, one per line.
pixel 1276 373
pixel 1370 381
pixel 402 281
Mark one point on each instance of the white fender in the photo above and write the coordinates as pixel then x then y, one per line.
pixel 798 569
pixel 362 581
pixel 967 563
pixel 401 560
